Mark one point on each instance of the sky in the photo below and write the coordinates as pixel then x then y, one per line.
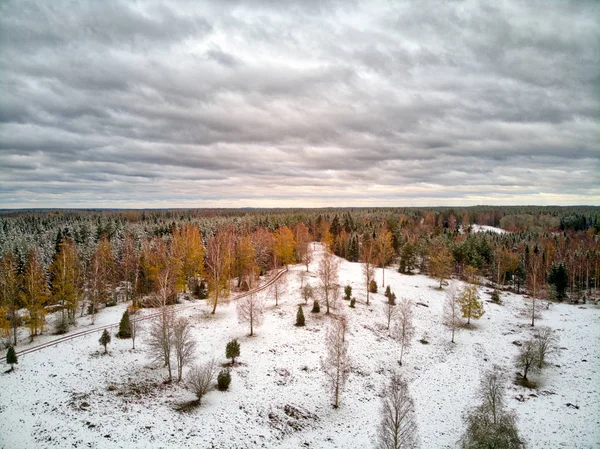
pixel 265 103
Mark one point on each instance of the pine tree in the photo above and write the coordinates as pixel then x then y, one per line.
pixel 105 340
pixel 560 279
pixel 11 357
pixel 125 326
pixel 300 316
pixel 232 350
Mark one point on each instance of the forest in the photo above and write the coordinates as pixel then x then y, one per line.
pixel 79 261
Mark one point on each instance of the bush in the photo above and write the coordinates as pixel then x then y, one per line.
pixel 348 292
pixel 496 296
pixel 373 286
pixel 224 379
pixel 200 379
pixel 300 316
pixel 352 302
pixel 316 307
pixel 388 292
pixel 232 350
pixel 124 326
pixel 392 299
pixel 62 325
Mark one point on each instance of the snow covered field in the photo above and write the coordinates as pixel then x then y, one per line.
pixel 71 396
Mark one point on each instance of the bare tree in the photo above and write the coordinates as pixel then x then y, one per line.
pixel 183 344
pixel 403 330
pixel 303 276
pixel 390 311
pixel 398 428
pixel 328 275
pixel 367 257
pixel 337 362
pixel 201 379
pixel 452 310
pixel 250 309
pixel 535 272
pixel 160 336
pixel 135 327
pixel 490 425
pixel 307 293
pixel 527 358
pixel 277 289
pixel 546 345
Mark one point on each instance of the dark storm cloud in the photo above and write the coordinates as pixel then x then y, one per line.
pixel 303 103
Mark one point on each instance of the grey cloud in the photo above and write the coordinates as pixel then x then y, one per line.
pixel 262 102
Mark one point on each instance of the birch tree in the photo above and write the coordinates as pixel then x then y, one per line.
pixel 397 426
pixel 384 250
pixel 404 329
pixel 250 310
pixel 328 275
pixel 337 362
pixel 184 344
pixel 452 311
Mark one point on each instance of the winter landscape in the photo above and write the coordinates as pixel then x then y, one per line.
pixel 299 224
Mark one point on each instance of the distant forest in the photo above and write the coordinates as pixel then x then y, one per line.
pixel 80 260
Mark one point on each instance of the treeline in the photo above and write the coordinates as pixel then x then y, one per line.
pixel 79 261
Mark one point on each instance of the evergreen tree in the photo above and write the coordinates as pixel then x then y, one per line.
pixel 373 286
pixel 316 307
pixel 125 326
pixel 224 379
pixel 560 279
pixel 520 275
pixel 11 357
pixel 300 316
pixel 232 350
pixel 105 340
pixel 348 292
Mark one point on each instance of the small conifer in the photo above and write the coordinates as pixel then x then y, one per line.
pixel 232 350
pixel 124 326
pixel 224 379
pixel 316 307
pixel 11 357
pixel 300 317
pixel 105 340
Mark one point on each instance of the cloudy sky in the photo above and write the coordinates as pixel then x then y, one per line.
pixel 305 103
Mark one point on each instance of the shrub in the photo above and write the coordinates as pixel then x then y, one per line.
pixel 392 299
pixel 224 379
pixel 373 286
pixel 62 325
pixel 352 302
pixel 232 350
pixel 496 296
pixel 124 326
pixel 200 379
pixel 316 307
pixel 348 292
pixel 300 316
pixel 388 292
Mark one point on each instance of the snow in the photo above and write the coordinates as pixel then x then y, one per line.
pixel 279 386
pixel 483 228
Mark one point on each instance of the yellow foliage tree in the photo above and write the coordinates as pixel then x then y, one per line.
pixel 285 246
pixel 35 294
